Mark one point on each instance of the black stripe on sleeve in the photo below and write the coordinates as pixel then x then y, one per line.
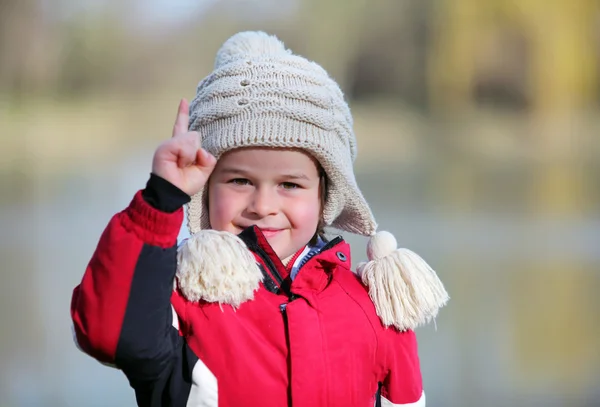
pixel 173 387
pixel 146 346
pixel 153 355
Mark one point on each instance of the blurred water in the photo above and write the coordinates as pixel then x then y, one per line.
pixel 521 328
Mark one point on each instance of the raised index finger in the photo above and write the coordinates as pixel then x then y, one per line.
pixel 182 120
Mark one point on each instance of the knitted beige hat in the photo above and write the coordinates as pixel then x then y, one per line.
pixel 262 95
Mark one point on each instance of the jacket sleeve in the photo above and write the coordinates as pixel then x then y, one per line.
pixel 403 385
pixel 121 311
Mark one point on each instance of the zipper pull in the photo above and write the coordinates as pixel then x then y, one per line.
pixel 282 308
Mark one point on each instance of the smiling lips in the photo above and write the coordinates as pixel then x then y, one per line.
pixel 268 232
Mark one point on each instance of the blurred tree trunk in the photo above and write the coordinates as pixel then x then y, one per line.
pixel 458 26
pixel 24 36
pixel 563 73
pixel 370 48
pixel 560 71
pixel 392 57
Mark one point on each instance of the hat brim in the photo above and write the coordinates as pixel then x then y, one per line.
pixel 345 207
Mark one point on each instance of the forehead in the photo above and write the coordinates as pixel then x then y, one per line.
pixel 258 159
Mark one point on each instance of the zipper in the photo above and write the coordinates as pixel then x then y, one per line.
pixel 269 270
pixel 268 281
pixel 273 280
pixel 274 274
pixel 333 242
pixel 330 244
pixel 283 309
pixel 270 265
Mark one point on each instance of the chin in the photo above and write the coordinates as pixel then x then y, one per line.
pixel 277 248
pixel 280 250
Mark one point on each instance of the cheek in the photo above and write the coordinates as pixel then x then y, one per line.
pixel 305 212
pixel 221 209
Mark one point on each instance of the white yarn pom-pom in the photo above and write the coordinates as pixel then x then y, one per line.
pixel 380 245
pixel 217 266
pixel 249 44
pixel 406 292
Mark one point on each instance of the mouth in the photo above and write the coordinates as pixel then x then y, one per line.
pixel 267 232
pixel 271 232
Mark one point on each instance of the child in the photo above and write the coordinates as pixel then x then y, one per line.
pixel 257 307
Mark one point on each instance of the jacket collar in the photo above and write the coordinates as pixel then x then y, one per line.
pixel 315 273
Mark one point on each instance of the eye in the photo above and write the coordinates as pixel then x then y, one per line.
pixel 289 185
pixel 239 181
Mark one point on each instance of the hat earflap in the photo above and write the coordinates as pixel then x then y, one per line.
pixel 217 266
pixel 406 291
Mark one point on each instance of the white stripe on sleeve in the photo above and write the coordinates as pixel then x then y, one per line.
pixel 419 403
pixel 204 391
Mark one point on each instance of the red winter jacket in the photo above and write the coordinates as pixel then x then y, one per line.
pixel 314 341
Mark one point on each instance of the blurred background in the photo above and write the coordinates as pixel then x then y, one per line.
pixel 478 127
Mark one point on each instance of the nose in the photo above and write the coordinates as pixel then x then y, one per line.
pixel 264 202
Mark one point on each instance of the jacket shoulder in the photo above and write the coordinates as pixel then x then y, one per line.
pixel 352 285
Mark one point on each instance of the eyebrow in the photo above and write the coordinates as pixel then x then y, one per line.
pixel 245 173
pixel 230 170
pixel 296 176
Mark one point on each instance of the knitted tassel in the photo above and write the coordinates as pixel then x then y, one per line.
pixel 406 292
pixel 217 266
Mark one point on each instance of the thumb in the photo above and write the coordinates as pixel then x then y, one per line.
pixel 204 159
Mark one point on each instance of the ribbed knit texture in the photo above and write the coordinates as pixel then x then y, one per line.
pixel 261 95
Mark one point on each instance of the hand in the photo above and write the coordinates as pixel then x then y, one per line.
pixel 180 160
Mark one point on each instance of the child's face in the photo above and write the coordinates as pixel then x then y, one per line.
pixel 276 189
